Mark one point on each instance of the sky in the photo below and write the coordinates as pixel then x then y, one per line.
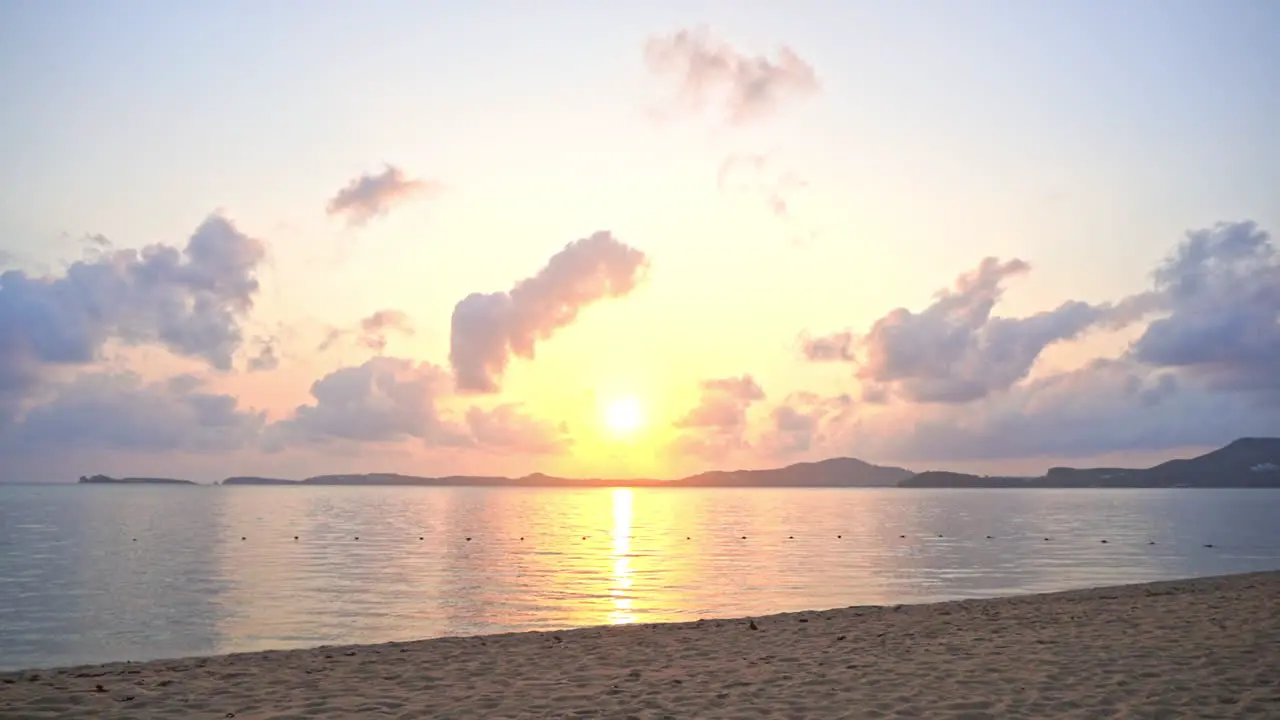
pixel 634 240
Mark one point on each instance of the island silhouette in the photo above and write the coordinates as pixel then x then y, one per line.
pixel 1243 463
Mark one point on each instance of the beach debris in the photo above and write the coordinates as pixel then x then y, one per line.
pixel 841 637
pixel 803 620
pixel 99 688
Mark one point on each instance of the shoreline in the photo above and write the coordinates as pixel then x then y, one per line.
pixel 1204 647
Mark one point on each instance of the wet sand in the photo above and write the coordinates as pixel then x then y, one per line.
pixel 1206 648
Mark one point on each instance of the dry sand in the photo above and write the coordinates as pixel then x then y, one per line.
pixel 1207 648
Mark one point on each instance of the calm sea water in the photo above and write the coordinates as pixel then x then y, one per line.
pixel 93 574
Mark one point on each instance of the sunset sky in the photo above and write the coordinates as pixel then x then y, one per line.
pixel 634 239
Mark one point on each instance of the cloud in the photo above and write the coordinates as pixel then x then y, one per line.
pixel 723 404
pixel 1110 405
pixel 383 400
pixel 487 329
pixel 1218 292
pixel 190 301
pixel 391 400
pixel 505 427
pixel 955 350
pixel 751 172
pixel 1202 372
pixel 1221 290
pixel 120 411
pixel 265 359
pixel 717 425
pixel 371 332
pixel 374 329
pixel 836 347
pixel 374 195
pixel 710 71
pixel 802 422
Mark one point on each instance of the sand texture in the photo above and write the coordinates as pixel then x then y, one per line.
pixel 1207 648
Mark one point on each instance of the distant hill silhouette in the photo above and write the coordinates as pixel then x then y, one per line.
pixel 836 472
pixel 108 480
pixel 1244 463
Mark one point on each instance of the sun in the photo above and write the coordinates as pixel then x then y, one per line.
pixel 623 416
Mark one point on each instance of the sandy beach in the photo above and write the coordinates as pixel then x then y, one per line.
pixel 1205 648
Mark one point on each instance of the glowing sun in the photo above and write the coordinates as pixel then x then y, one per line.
pixel 623 416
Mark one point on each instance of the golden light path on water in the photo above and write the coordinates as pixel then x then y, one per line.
pixel 621 590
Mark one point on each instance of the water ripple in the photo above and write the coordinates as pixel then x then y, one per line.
pixel 110 573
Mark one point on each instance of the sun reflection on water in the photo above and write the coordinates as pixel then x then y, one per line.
pixel 621 588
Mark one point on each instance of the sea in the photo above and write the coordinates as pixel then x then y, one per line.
pixel 93 574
